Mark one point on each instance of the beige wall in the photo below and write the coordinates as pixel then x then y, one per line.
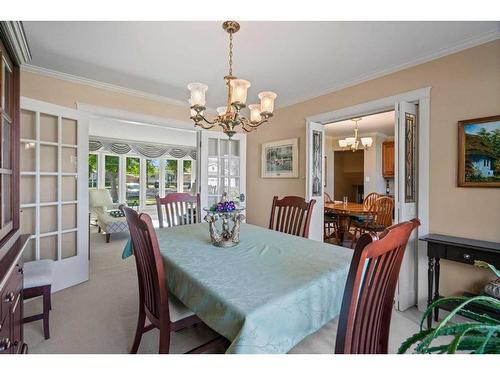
pixel 67 93
pixel 464 85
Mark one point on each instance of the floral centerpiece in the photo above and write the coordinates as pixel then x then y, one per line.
pixel 223 206
pixel 227 211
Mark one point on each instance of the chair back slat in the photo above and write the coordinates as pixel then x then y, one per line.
pixel 381 211
pixel 369 292
pixel 370 199
pixel 178 209
pixel 150 270
pixel 291 215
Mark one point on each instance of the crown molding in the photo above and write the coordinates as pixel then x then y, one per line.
pixel 14 38
pixel 465 44
pixel 101 85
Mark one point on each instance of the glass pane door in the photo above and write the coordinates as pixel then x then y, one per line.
pixel 132 181
pixel 54 188
pixel 152 181
pixel 222 167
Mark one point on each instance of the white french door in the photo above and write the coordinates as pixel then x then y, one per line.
pixel 315 151
pixel 406 187
pixel 54 191
pixel 222 163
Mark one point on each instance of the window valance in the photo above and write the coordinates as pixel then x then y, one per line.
pixel 148 150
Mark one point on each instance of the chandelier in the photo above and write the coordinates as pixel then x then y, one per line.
pixel 229 116
pixel 354 142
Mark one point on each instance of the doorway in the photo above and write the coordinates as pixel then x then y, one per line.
pixel 409 107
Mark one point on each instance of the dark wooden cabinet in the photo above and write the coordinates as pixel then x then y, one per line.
pixel 13 52
pixel 388 159
pixel 11 309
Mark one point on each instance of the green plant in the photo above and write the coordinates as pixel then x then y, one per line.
pixel 479 336
pixel 480 263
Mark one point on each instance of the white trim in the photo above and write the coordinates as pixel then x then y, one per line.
pixel 135 117
pixel 102 85
pixel 337 86
pixel 15 39
pixel 388 103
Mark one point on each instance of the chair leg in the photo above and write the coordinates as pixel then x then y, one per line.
pixel 108 235
pixel 46 309
pixel 138 332
pixel 353 242
pixel 164 341
pixel 98 229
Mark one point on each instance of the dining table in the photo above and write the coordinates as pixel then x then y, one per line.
pixel 345 212
pixel 265 294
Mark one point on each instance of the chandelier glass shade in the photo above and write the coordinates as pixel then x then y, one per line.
pixel 230 116
pixel 353 143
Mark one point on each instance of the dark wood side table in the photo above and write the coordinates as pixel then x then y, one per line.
pixel 457 249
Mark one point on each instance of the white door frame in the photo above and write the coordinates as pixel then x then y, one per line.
pixel 422 96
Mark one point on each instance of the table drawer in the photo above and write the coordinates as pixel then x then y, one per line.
pixel 468 256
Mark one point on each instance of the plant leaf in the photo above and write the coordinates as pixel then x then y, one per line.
pixel 413 340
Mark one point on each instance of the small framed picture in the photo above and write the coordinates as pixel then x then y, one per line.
pixel 479 152
pixel 280 159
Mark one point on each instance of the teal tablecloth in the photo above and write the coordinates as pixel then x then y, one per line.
pixel 264 295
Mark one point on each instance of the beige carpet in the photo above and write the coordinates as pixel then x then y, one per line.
pixel 99 316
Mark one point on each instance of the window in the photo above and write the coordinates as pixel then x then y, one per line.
pixel 171 168
pixel 93 171
pixel 132 181
pixel 189 180
pixel 111 176
pixel 152 180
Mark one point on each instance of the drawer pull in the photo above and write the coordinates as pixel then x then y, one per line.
pixel 9 297
pixel 466 256
pixel 4 344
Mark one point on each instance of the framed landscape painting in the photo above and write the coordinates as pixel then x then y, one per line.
pixel 280 159
pixel 479 152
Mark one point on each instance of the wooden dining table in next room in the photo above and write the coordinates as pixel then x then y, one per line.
pixel 264 295
pixel 345 211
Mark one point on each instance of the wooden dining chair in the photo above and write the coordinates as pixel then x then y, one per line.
pixel 379 218
pixel 179 208
pixel 370 199
pixel 291 215
pixel 162 309
pixel 330 221
pixel 365 315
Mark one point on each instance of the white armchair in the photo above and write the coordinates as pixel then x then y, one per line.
pixel 100 205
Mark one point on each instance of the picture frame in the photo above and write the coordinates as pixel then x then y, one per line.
pixel 479 152
pixel 280 159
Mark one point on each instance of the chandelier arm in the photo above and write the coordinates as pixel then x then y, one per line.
pixel 208 121
pixel 245 122
pixel 201 125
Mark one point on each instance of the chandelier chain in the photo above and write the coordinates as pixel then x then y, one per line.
pixel 230 54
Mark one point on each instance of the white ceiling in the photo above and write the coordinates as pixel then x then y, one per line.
pixel 378 123
pixel 298 60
